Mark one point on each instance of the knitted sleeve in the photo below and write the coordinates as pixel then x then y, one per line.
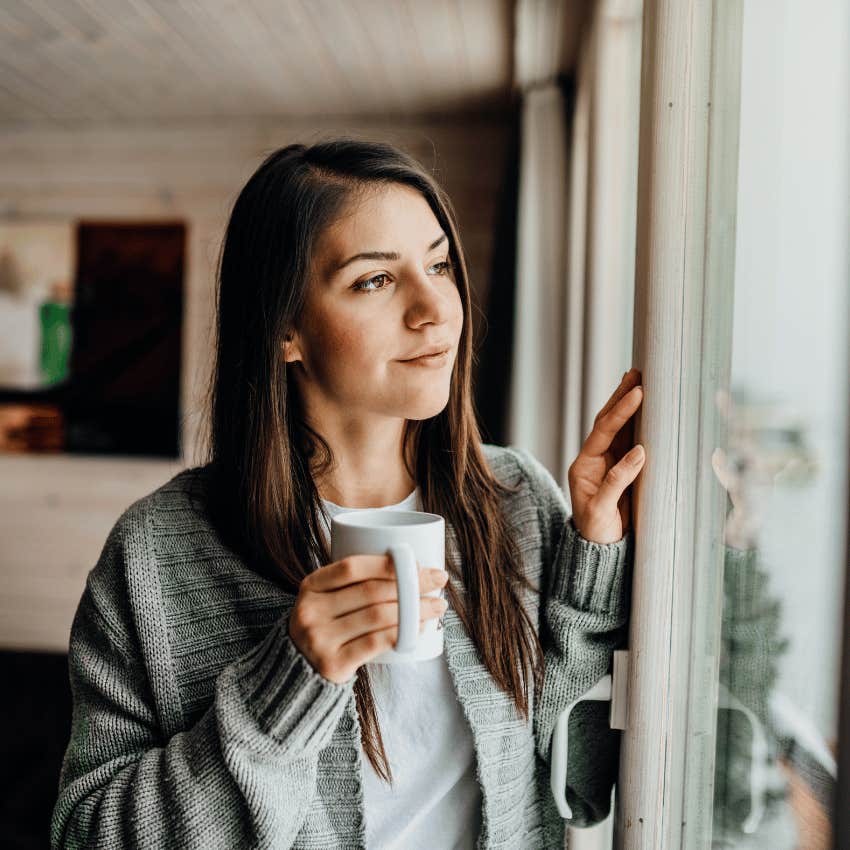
pixel 242 776
pixel 751 643
pixel 584 607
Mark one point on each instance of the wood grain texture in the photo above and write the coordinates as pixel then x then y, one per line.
pixel 81 62
pixel 684 275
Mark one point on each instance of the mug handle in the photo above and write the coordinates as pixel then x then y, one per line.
pixel 407 581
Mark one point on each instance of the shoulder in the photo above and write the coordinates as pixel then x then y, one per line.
pixel 503 463
pixel 536 508
pixel 519 467
pixel 129 556
pixel 180 499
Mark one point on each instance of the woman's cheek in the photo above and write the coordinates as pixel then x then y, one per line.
pixel 354 351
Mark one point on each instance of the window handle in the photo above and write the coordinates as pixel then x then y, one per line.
pixel 611 687
pixel 759 764
pixel 614 687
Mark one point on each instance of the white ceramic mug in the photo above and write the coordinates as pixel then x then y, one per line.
pixel 411 538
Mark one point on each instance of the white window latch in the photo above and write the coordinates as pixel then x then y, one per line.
pixel 612 687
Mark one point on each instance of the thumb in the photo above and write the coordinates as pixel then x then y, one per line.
pixel 618 478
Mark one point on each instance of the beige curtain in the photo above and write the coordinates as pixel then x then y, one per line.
pixel 537 375
pixel 576 224
pixel 575 236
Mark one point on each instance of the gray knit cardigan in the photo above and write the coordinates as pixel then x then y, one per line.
pixel 197 723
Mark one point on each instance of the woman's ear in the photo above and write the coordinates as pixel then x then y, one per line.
pixel 291 349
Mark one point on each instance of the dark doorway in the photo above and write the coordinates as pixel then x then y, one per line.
pixel 125 363
pixel 121 394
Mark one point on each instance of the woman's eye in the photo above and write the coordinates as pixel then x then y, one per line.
pixel 446 266
pixel 362 285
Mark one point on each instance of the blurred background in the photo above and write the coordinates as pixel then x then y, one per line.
pixel 127 127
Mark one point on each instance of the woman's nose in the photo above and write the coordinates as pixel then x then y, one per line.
pixel 426 300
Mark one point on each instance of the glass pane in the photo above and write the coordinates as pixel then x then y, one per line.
pixel 783 458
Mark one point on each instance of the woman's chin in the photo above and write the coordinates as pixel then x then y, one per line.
pixel 425 409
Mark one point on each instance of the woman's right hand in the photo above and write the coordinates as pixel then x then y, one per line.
pixel 347 612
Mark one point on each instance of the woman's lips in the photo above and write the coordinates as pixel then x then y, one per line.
pixel 434 361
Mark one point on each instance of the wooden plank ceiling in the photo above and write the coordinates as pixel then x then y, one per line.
pixel 98 62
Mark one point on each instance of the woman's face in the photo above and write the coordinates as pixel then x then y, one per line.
pixel 363 317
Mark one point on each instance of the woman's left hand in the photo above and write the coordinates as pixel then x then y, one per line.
pixel 607 464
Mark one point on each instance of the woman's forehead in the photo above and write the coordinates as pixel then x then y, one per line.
pixel 396 220
pixel 381 209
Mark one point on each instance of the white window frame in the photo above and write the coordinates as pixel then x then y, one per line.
pixel 684 276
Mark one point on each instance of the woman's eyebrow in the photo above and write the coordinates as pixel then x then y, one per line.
pixel 382 255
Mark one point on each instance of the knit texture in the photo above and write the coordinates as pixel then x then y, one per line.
pixel 197 723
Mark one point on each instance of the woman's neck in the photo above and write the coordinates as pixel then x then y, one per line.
pixel 366 472
pixel 367 494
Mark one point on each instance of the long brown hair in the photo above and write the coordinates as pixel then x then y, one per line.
pixel 263 456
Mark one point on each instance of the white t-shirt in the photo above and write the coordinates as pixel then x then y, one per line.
pixel 435 802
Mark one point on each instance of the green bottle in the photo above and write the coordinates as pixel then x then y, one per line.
pixel 56 334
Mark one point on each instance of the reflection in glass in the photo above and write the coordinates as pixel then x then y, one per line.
pixel 785 418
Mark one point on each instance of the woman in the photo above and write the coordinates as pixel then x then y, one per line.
pixel 216 658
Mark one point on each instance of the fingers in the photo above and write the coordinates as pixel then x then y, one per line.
pixel 348 571
pixel 721 468
pixel 357 624
pixel 338 647
pixel 629 380
pixel 354 597
pixel 608 425
pixel 626 510
pixel 352 603
pixel 726 474
pixel 618 477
